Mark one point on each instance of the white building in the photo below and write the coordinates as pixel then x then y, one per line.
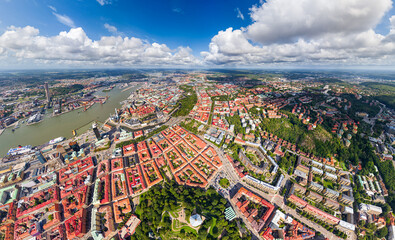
pixel 371 209
pixel 196 220
pixel 391 235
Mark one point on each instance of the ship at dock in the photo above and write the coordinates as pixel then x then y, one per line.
pixel 37 117
pixel 20 150
pixel 56 140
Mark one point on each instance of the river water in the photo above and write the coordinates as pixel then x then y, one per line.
pixel 62 125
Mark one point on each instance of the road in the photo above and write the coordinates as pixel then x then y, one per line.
pixel 275 199
pixel 175 120
pixel 229 172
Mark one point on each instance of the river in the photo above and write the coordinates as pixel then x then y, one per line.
pixel 62 125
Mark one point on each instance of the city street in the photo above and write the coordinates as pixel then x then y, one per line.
pixel 275 199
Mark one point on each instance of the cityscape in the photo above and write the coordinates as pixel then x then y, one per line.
pixel 308 158
pixel 277 128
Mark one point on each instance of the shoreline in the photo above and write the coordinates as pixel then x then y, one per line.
pixel 13 124
pixel 127 88
pixel 29 124
pixel 59 114
pixel 83 119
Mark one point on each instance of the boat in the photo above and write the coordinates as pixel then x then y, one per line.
pixel 108 89
pixel 87 106
pixel 16 126
pixel 35 118
pixel 56 140
pixel 20 150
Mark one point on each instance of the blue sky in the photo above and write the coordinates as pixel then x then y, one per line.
pixel 177 22
pixel 197 32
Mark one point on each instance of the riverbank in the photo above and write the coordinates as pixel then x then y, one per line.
pixel 29 124
pixel 86 107
pixel 61 125
pixel 127 88
pixel 13 124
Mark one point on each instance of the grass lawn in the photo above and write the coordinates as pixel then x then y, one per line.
pixel 138 212
pixel 189 229
pixel 224 182
pixel 328 184
pixel 174 213
pixel 176 225
pixel 212 226
pixel 175 233
pixel 343 165
pixel 317 179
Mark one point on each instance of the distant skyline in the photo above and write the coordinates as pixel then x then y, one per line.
pixel 197 34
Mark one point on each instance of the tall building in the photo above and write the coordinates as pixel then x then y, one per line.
pixel 74 145
pixel 60 149
pixel 47 91
pixel 96 131
pixel 40 157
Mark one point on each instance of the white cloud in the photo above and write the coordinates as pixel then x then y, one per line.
pixel 64 19
pixel 308 31
pixel 177 10
pixel 76 48
pixel 392 27
pixel 239 14
pixel 288 20
pixel 110 28
pixel 282 32
pixel 104 2
pixel 52 8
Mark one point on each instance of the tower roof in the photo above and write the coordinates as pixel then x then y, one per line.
pixel 195 220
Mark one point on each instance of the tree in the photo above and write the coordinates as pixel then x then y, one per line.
pixel 186 103
pixel 372 226
pixel 386 209
pixel 382 232
pixel 224 182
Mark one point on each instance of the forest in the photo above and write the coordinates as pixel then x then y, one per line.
pixel 160 200
pixel 60 91
pixel 186 103
pixel 386 92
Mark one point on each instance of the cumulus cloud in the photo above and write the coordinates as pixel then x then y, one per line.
pixel 110 28
pixel 75 47
pixel 307 31
pixel 392 21
pixel 288 20
pixel 239 14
